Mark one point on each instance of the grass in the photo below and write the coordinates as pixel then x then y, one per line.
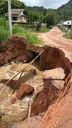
pixel 68 34
pixel 4 34
pixel 26 33
pixel 44 29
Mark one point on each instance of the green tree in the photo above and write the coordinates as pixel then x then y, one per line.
pixel 51 19
pixel 4 5
pixel 38 26
pixel 32 17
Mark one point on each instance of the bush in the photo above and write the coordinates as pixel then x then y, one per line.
pixel 69 35
pixel 4 33
pixel 38 26
pixel 26 33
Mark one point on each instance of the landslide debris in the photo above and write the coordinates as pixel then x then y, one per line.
pixel 13 49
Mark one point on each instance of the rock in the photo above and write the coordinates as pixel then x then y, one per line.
pixel 13 100
pixel 24 90
pixel 57 73
pixel 55 77
pixel 15 112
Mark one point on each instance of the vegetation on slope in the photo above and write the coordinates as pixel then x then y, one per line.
pixel 4 6
pixel 34 15
pixel 4 33
pixel 65 11
pixel 38 13
pixel 26 33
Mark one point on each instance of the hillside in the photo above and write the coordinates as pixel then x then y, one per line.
pixel 65 11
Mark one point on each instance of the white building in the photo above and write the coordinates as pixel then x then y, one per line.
pixel 18 16
pixel 67 23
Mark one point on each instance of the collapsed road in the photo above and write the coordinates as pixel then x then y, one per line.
pixel 28 90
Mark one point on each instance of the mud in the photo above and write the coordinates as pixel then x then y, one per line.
pixel 15 97
pixel 14 49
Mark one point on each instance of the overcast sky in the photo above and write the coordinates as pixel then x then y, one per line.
pixel 45 3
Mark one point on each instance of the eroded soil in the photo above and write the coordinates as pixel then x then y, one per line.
pixel 25 100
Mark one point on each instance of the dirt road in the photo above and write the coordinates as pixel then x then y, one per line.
pixel 55 38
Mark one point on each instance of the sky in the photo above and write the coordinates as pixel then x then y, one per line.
pixel 46 3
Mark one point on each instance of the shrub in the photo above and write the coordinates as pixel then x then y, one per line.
pixel 38 26
pixel 26 33
pixel 4 33
pixel 69 35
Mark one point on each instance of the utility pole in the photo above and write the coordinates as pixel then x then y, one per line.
pixel 10 18
pixel 71 24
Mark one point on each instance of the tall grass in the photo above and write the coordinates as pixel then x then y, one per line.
pixel 68 35
pixel 26 33
pixel 68 32
pixel 4 32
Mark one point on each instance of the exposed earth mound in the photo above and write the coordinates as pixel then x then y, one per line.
pixel 53 83
pixel 59 115
pixel 41 85
pixel 13 49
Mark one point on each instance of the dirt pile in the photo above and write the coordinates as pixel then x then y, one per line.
pixel 24 90
pixel 47 89
pixel 53 83
pixel 43 99
pixel 3 125
pixel 54 58
pixel 18 111
pixel 51 57
pixel 59 115
pixel 14 49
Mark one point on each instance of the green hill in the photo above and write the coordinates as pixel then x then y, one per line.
pixel 65 11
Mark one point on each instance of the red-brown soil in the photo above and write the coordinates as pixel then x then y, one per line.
pixel 58 103
pixel 59 115
pixel 13 49
pixel 54 38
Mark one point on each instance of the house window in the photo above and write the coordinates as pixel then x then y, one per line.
pixel 68 22
pixel 14 18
